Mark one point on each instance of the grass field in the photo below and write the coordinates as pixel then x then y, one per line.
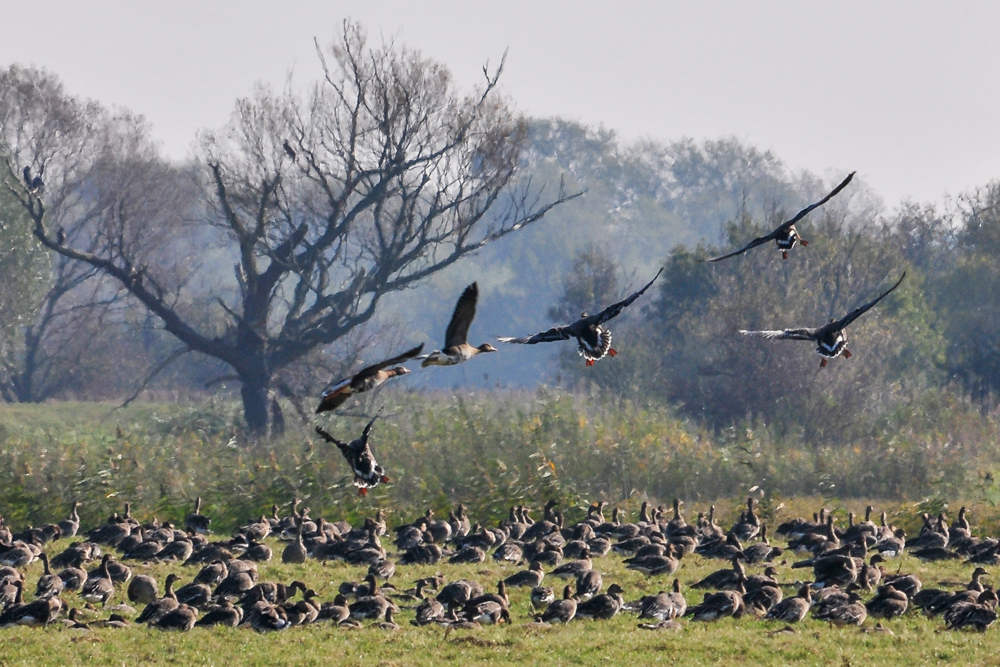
pixel 488 454
pixel 915 639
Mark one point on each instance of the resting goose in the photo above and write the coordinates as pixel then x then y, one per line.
pixel 970 615
pixel 196 522
pixel 831 570
pixel 69 526
pixel 542 596
pixel 831 338
pixel 154 610
pixel 888 603
pixel 335 611
pixel 296 551
pixel 225 613
pixel 664 606
pixel 99 588
pixel 791 610
pixel 593 339
pixel 367 472
pixel 847 611
pixel 716 606
pixel 574 569
pixel 527 578
pixel 456 338
pixel 762 552
pixel 181 618
pixel 142 589
pixel 37 613
pixel 429 611
pixel 728 579
pixel 49 585
pixel 589 584
pixel 604 606
pixel 785 235
pixel 561 611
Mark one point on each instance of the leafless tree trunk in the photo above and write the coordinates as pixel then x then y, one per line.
pixel 381 176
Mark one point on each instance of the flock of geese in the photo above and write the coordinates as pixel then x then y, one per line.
pixel 561 571
pixel 592 337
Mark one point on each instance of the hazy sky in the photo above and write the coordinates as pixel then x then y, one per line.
pixel 907 93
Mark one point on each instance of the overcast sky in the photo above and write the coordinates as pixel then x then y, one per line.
pixel 907 93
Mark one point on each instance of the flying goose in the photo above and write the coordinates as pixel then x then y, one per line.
pixel 366 379
pixel 456 338
pixel 830 339
pixel 785 235
pixel 367 473
pixel 593 339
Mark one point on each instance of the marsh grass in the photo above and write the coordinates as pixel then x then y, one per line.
pixel 486 450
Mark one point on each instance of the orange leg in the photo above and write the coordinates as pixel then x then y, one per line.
pixel 847 353
pixel 362 492
pixel 803 242
pixel 784 254
pixel 823 363
pixel 613 352
pixel 385 479
pixel 590 362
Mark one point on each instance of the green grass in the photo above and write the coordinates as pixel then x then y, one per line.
pixel 917 640
pixel 486 450
pixel 489 451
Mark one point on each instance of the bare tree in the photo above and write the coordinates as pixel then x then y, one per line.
pixel 381 176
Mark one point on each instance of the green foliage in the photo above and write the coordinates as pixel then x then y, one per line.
pixel 488 451
pixel 24 274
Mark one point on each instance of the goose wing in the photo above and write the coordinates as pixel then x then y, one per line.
pixel 804 212
pixel 613 311
pixel 329 438
pixel 368 429
pixel 760 240
pixel 860 310
pixel 783 334
pixel 550 336
pixel 461 319
pixel 786 224
pixel 369 371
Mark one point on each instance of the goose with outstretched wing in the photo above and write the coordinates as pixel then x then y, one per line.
pixel 594 340
pixel 785 235
pixel 367 472
pixel 365 380
pixel 831 338
pixel 456 338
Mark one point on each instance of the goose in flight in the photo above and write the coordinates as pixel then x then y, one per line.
pixel 594 339
pixel 367 472
pixel 365 380
pixel 831 338
pixel 456 338
pixel 785 235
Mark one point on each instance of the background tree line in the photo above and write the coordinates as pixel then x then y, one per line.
pixel 270 269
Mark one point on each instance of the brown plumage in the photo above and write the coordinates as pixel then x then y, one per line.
pixel 366 379
pixel 456 339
